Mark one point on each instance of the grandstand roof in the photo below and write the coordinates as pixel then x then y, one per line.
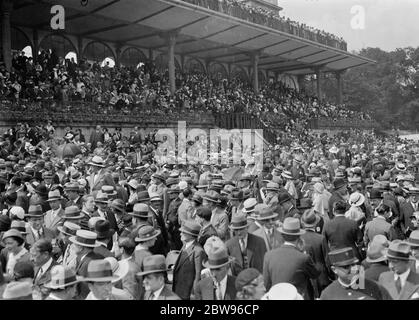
pixel 203 33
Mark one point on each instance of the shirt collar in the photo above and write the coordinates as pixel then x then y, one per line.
pixel 188 244
pixel 403 276
pixel 157 293
pixel 46 265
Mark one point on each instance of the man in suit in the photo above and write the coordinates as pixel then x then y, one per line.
pixel 407 208
pixel 401 282
pixel 68 258
pixel 219 285
pixel 351 285
pixel 99 176
pixel 96 136
pixel 187 270
pixel 247 249
pixel 41 257
pixel 288 263
pixel 376 261
pixel 154 273
pixel 413 241
pixel 130 282
pixel 379 225
pixel 203 217
pixel 341 232
pixel 54 216
pixel 268 232
pixel 72 191
pixel 36 229
pixel 316 246
pixel 63 283
pixel 84 242
pixel 340 193
pixel 103 211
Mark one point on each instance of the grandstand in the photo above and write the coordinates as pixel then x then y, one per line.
pixel 223 39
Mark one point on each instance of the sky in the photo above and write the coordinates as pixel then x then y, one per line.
pixel 388 24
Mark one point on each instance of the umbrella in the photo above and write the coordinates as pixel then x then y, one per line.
pixel 68 150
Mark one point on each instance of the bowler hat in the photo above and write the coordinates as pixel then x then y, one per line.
pixel 153 264
pixel 342 257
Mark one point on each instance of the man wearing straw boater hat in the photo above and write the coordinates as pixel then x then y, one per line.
pixel 268 230
pixel 154 274
pixel 220 285
pixel 247 249
pixel 402 283
pixel 84 243
pixel 53 216
pixel 69 256
pixel 36 229
pixel 187 270
pixel 63 283
pixel 288 263
pixel 351 283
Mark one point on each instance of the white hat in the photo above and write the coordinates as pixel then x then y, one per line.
pixel 282 291
pixel 183 185
pixel 356 199
pixel 18 212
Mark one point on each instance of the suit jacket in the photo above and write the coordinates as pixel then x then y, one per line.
pixel 81 270
pixel 53 223
pixel 277 238
pixel 138 257
pixel 165 294
pixel 110 217
pixel 288 264
pixel 316 246
pixel 378 225
pixel 411 286
pixel 335 197
pixel 374 271
pixel 187 271
pixel 23 200
pixel 104 178
pixel 219 220
pixel 341 232
pixel 204 234
pixel 47 234
pixel 78 203
pixel 103 251
pixel 255 252
pixel 205 289
pixel 406 211
pixel 43 279
pixel 130 282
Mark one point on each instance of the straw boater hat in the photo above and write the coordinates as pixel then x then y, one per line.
pixel 72 213
pixel 85 238
pixel 413 240
pixel 69 228
pixel 109 190
pixel 101 197
pixel 62 277
pixel 153 264
pixel 272 186
pixel 54 195
pixel 97 162
pixel 238 222
pixel 119 268
pixel 35 211
pixel 147 233
pixel 190 227
pixel 291 226
pixel 249 205
pixel 99 271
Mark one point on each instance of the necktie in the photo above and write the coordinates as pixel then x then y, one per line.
pixel 38 234
pixel 242 246
pixel 151 297
pixel 398 285
pixel 219 293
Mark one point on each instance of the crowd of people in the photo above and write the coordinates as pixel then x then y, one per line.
pixel 271 18
pixel 326 217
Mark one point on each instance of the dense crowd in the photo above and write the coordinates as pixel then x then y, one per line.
pixel 271 19
pixel 107 217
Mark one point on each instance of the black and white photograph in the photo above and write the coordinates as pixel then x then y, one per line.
pixel 228 151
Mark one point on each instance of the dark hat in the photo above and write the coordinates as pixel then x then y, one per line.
pixel 236 195
pixel 283 197
pixel 24 269
pixel 11 198
pixel 339 183
pixel 245 277
pixel 309 219
pixel 342 257
pixel 305 203
pixel 197 198
pixel 143 196
pixel 376 194
pixel 42 190
pixel 35 211
pixel 171 181
pixel 5 223
pixel 118 205
pixel 103 229
pixel 191 227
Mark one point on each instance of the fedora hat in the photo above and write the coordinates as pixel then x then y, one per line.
pixel 62 277
pixel 12 233
pixel 119 268
pixel 103 229
pixel 101 197
pixel 69 228
pixel 118 205
pixel 211 196
pixel 109 190
pixel 72 213
pixel 249 205
pixel 41 190
pixel 376 252
pixel 35 210
pixel 147 233
pixel 174 188
pixel 15 290
pixel 85 238
pixel 71 186
pixel 338 183
pixel 19 226
pixel 217 257
pixel 99 271
pixel 54 195
pixel 291 226
pixel 283 197
pixel 399 250
pixel 309 219
pixel 97 162
pixel 153 264
pixel 342 257
pixel 190 227
pixel 155 197
pixel 266 214
pixel 272 186
pixel 413 240
pixel 286 174
pixel 143 196
pixel 356 199
pixel 140 210
pixel 238 222
pixel 158 176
